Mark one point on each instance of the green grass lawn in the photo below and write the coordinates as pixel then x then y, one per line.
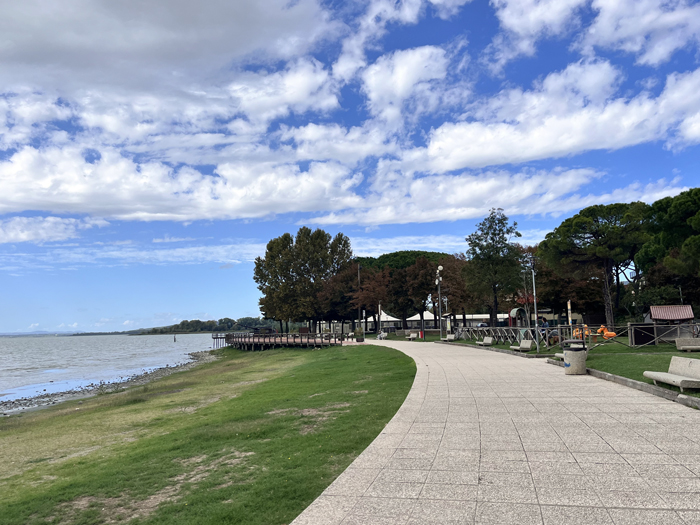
pixel 633 366
pixel 251 439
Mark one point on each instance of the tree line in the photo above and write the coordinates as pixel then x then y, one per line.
pixel 222 325
pixel 612 261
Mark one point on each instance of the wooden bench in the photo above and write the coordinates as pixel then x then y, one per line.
pixel 688 344
pixel 488 341
pixel 450 337
pixel 682 372
pixel 412 336
pixel 524 346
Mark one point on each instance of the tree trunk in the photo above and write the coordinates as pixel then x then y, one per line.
pixel 607 298
pixel 281 327
pixel 405 323
pixel 617 288
pixel 435 316
pixel 365 325
pixel 376 326
pixel 287 326
pixel 464 317
pixel 494 312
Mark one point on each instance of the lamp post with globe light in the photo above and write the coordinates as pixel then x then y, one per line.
pixel 438 280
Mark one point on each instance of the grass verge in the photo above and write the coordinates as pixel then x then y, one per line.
pixel 633 366
pixel 252 439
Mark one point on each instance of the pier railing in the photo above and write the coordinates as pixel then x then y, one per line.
pixel 250 341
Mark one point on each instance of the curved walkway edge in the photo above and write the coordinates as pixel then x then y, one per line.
pixel 485 438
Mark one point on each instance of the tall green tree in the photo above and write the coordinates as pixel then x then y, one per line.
pixel 400 302
pixel 275 275
pixel 674 225
pixel 373 291
pixel 606 238
pixel 454 286
pixel 495 260
pixel 420 277
pixel 293 271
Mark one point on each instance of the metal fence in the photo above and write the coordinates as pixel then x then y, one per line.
pixel 551 338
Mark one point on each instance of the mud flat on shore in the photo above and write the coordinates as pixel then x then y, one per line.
pixel 8 408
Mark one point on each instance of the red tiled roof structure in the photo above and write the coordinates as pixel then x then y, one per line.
pixel 672 313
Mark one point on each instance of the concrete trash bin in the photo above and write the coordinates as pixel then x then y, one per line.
pixel 575 361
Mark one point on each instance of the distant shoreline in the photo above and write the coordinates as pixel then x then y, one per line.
pixel 24 404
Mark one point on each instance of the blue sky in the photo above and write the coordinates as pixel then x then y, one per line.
pixel 149 151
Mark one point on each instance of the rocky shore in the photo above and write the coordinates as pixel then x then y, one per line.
pixel 8 408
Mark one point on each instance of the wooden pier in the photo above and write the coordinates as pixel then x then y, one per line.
pixel 267 341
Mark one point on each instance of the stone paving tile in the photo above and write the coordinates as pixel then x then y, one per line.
pixel 548 468
pixel 674 484
pixel 575 516
pixel 690 517
pixel 441 511
pixel 453 477
pixel 416 453
pixel 449 491
pixel 402 476
pixel 353 482
pixel 682 500
pixel 502 513
pixel 632 500
pixel 504 466
pixel 384 489
pixel 372 520
pixel 397 508
pixel 644 517
pixel 409 463
pixel 488 438
pixel 627 483
pixel 664 471
pixel 505 479
pixel 569 497
pixel 326 510
pixel 507 493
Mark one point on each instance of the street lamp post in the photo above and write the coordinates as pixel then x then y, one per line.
pixel 438 280
pixel 447 312
pixel 534 299
pixel 359 319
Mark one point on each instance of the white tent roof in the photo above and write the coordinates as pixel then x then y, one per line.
pixel 427 316
pixel 386 318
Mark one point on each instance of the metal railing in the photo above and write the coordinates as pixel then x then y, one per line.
pixel 547 339
pixel 241 340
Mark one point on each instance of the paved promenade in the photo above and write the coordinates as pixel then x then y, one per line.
pixel 490 438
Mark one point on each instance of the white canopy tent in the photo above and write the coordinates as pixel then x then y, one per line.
pixel 385 321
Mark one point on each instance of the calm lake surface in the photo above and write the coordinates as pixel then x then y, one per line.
pixel 36 365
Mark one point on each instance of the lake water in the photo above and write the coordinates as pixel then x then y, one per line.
pixel 37 365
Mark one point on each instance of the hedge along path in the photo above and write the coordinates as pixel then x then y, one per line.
pixel 251 438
